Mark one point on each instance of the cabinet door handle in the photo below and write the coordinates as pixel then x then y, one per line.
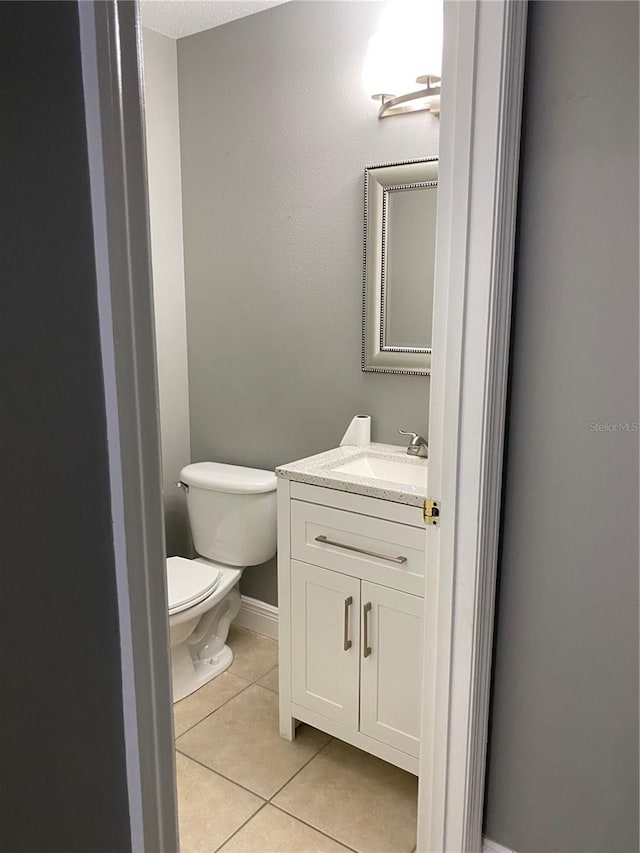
pixel 326 541
pixel 366 648
pixel 346 641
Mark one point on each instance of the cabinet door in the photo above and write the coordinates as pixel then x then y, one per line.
pixel 325 642
pixel 391 670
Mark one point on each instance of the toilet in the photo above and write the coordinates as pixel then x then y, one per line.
pixel 232 512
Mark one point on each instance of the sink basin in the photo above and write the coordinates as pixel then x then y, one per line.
pixel 383 471
pixel 409 473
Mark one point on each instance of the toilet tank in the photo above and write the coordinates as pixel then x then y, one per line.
pixel 232 512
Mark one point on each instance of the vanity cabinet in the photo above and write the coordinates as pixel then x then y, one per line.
pixel 351 588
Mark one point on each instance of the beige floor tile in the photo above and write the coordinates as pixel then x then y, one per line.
pixel 210 808
pixel 361 801
pixel 253 655
pixel 194 708
pixel 270 680
pixel 272 831
pixel 241 741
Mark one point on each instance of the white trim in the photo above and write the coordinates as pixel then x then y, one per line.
pixel 258 616
pixel 286 722
pixel 489 846
pixel 479 153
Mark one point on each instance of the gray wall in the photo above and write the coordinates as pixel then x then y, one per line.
pixel 64 785
pixel 563 771
pixel 275 133
pixel 165 213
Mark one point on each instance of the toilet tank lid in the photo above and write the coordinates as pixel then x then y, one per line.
pixel 219 477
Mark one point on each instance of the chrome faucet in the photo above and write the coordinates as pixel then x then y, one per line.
pixel 417 446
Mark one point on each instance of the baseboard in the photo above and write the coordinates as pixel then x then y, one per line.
pixel 258 616
pixel 489 846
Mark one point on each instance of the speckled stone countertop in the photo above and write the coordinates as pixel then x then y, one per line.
pixel 316 471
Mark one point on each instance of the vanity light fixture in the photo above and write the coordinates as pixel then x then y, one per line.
pixel 405 50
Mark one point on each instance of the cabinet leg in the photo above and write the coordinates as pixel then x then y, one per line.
pixel 287 727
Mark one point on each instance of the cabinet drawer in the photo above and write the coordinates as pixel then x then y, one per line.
pixel 384 552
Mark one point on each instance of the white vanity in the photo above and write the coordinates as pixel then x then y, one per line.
pixel 351 568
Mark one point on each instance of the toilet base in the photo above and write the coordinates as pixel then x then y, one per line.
pixel 189 675
pixel 198 645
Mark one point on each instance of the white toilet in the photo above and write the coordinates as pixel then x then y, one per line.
pixel 232 511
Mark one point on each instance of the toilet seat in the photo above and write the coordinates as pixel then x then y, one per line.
pixel 189 582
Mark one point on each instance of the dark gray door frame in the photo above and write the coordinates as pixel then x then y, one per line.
pixel 110 40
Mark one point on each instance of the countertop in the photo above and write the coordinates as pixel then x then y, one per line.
pixel 316 471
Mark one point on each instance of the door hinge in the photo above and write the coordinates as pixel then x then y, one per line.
pixel 432 512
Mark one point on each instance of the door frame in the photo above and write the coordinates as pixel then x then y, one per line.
pixel 482 85
pixel 110 42
pixel 479 153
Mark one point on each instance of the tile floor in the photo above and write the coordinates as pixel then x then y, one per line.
pixel 241 787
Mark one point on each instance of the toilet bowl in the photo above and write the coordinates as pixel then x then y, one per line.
pixel 232 512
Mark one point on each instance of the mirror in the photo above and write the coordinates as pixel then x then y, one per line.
pixel 400 208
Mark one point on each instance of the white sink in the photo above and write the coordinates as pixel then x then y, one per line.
pixel 409 472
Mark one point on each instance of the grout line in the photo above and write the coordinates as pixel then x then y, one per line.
pixel 242 825
pixel 231 698
pixel 311 826
pixel 217 773
pixel 268 672
pixel 265 800
pixel 244 787
pixel 226 702
pixel 300 769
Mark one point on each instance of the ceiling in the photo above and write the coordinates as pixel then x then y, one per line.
pixel 179 18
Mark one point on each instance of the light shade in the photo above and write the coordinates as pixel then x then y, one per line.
pixel 407 45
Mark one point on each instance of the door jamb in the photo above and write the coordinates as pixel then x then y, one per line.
pixel 479 154
pixel 110 46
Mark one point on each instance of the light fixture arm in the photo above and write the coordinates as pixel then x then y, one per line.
pixel 422 99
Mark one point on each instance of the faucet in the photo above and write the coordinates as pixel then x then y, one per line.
pixel 417 446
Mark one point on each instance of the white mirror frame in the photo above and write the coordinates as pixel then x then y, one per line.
pixel 377 355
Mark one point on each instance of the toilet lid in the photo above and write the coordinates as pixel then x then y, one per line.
pixel 189 582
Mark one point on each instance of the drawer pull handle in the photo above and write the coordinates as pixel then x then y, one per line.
pixel 347 642
pixel 326 541
pixel 366 648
